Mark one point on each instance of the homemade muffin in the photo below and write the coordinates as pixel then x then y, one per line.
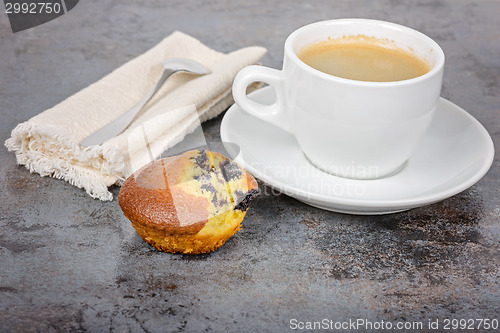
pixel 192 203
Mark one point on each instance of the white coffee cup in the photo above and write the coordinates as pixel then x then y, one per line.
pixel 349 128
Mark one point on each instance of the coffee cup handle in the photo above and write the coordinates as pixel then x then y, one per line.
pixel 274 113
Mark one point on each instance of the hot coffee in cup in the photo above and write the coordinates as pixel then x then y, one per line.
pixel 363 58
pixel 357 94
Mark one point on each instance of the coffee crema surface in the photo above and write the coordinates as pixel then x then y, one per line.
pixel 363 58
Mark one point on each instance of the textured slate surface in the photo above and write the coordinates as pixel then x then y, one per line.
pixel 71 263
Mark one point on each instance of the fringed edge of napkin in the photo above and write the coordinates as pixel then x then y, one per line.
pixel 107 163
pixel 107 160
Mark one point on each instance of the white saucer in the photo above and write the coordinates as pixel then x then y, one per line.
pixel 454 154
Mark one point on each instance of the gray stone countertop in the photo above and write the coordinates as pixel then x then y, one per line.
pixel 71 263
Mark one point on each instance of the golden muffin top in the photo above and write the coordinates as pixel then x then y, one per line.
pixel 180 193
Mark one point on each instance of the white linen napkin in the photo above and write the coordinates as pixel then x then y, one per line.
pixel 48 143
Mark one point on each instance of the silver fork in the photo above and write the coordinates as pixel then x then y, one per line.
pixel 117 126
